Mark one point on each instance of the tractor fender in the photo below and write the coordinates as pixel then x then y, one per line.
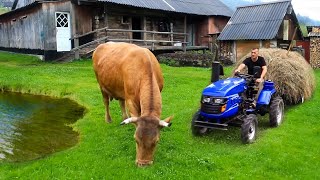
pixel 265 97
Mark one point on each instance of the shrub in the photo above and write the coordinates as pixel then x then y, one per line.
pixel 192 58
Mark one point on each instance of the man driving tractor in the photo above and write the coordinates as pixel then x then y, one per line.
pixel 251 62
pixel 254 60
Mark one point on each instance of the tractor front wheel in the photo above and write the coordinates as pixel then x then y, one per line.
pixel 276 111
pixel 197 131
pixel 249 128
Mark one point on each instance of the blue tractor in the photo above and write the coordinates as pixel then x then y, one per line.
pixel 233 102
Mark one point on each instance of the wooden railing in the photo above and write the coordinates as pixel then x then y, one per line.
pixel 153 41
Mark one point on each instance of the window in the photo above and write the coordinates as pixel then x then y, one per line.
pixel 163 25
pixel 125 20
pixel 62 20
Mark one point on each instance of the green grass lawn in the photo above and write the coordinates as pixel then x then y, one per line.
pixel 107 151
pixel 3 10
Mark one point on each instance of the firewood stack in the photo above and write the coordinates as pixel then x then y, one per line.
pixel 315 47
pixel 314 52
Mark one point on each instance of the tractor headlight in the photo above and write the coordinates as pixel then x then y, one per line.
pixel 205 99
pixel 219 101
pixel 212 100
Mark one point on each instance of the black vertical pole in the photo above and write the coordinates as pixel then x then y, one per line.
pixel 215 72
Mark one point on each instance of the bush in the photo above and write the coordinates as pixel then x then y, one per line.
pixel 192 58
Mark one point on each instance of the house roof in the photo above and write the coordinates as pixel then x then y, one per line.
pixel 312 33
pixel 198 7
pixel 256 22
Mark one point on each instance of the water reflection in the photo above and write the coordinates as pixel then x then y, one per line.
pixel 34 126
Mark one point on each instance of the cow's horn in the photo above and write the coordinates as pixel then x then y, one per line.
pixel 164 124
pixel 129 120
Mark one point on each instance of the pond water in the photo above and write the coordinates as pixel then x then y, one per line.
pixel 32 127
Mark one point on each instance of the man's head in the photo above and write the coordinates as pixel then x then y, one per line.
pixel 254 54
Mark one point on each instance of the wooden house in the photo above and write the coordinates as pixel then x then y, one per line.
pixel 54 28
pixel 267 25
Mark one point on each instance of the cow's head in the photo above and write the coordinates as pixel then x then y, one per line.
pixel 147 135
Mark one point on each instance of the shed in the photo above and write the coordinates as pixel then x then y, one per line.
pixel 268 25
pixel 55 28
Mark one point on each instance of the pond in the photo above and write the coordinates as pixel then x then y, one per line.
pixel 32 127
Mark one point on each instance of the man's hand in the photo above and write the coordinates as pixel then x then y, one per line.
pixel 241 66
pixel 259 80
pixel 236 72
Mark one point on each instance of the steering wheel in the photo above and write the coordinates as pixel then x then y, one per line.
pixel 245 76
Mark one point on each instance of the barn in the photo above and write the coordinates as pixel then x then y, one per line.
pixel 266 25
pixel 58 28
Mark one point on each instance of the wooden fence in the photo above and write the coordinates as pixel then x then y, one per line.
pixel 78 47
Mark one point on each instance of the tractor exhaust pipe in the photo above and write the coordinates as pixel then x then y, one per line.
pixel 216 71
pixel 217 68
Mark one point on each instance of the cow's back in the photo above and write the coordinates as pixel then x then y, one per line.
pixel 118 63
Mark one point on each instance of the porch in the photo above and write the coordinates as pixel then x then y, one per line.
pixel 157 46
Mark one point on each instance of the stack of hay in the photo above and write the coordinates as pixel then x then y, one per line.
pixel 293 76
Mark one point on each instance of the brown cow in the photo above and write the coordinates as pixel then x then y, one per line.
pixel 132 75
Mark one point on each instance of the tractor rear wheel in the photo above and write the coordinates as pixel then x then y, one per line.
pixel 276 111
pixel 197 131
pixel 249 128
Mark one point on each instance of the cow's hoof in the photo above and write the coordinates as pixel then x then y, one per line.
pixel 143 163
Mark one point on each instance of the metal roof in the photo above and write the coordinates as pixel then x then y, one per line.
pixel 314 34
pixel 198 7
pixel 261 21
pixel 7 4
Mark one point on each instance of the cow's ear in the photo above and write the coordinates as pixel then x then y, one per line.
pixel 129 120
pixel 166 122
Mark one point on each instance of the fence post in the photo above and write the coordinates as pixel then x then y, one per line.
pixel 171 33
pixel 144 30
pixel 76 45
pixel 184 45
pixel 152 48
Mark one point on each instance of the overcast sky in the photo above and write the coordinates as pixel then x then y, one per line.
pixel 309 8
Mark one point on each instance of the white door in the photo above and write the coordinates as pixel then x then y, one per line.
pixel 63 31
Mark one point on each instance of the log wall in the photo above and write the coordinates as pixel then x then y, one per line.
pixel 115 21
pixel 123 17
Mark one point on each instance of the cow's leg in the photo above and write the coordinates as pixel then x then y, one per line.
pixel 106 100
pixel 123 109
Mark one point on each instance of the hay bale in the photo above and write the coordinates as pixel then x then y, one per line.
pixel 293 77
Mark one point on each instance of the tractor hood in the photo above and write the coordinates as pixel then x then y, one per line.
pixel 226 87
